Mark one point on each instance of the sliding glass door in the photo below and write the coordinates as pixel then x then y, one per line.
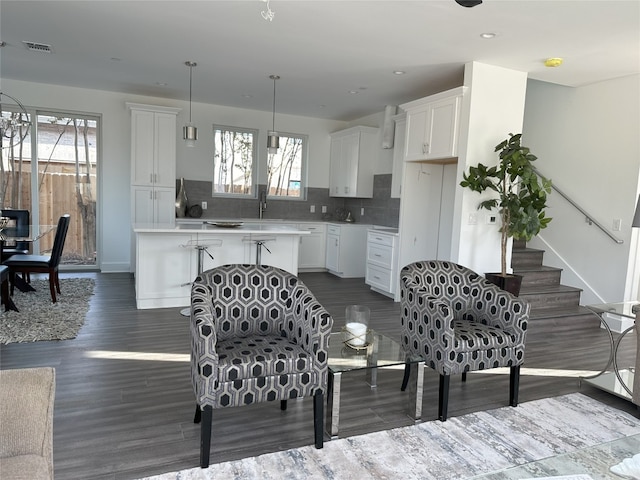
pixel 53 171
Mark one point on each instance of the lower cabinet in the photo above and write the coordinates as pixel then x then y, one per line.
pixel 346 249
pixel 312 255
pixel 382 261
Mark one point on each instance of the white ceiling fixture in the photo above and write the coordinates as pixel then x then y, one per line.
pixel 190 131
pixel 273 140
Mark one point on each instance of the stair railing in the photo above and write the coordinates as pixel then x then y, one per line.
pixel 589 218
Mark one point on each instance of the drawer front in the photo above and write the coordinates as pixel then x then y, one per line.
pixel 381 255
pixel 379 277
pixel 333 229
pixel 380 238
pixel 312 227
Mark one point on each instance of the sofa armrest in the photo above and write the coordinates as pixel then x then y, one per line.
pixel 26 413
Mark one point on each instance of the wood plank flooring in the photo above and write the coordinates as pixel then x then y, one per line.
pixel 124 404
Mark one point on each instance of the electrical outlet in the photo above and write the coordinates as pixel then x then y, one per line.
pixel 492 219
pixel 617 224
pixel 312 209
pixel 324 209
pixel 204 205
pixel 362 212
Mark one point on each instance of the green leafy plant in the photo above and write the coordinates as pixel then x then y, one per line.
pixel 522 193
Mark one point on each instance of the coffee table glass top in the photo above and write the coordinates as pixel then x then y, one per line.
pixel 381 351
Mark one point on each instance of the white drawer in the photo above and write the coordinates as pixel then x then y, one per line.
pixel 381 255
pixel 333 230
pixel 380 238
pixel 310 227
pixel 379 277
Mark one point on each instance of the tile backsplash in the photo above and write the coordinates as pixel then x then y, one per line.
pixel 379 210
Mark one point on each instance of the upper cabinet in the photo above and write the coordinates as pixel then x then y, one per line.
pixel 153 145
pixel 398 155
pixel 352 159
pixel 433 125
pixel 153 163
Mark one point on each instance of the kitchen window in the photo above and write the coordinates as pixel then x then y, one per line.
pixel 234 160
pixel 286 169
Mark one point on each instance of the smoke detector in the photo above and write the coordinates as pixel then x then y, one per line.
pixel 38 47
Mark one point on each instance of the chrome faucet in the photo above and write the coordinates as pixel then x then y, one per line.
pixel 262 204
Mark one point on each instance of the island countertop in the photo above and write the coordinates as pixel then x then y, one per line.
pixel 211 227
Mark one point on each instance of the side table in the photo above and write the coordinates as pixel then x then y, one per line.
pixel 381 351
pixel 618 381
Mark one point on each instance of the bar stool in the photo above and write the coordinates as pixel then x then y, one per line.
pixel 201 249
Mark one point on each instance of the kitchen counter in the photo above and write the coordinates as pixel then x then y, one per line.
pixel 170 256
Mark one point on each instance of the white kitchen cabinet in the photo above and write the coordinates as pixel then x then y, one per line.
pixel 353 156
pixel 346 249
pixel 382 261
pixel 398 155
pixel 312 255
pixel 153 163
pixel 433 125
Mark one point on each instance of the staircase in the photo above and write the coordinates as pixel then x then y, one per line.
pixel 551 302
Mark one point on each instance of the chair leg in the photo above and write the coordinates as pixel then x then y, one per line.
pixel 57 282
pixel 464 376
pixel 318 418
pixel 6 299
pixel 198 415
pixel 283 405
pixel 514 385
pixel 443 398
pixel 52 287
pixel 205 436
pixel 12 280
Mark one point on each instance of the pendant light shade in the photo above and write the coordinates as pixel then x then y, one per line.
pixel 273 140
pixel 190 131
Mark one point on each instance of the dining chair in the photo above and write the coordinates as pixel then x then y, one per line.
pixel 27 264
pixel 21 221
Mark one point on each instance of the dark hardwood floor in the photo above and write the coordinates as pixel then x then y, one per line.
pixel 124 404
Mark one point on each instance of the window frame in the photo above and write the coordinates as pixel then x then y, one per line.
pixel 254 163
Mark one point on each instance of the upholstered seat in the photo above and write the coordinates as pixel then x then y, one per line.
pixel 458 322
pixel 258 334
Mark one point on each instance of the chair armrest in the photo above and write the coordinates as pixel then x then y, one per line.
pixel 204 357
pixel 308 323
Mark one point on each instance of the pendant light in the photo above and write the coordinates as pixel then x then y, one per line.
pixel 273 141
pixel 190 131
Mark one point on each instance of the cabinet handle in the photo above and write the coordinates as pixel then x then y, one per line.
pixel 151 178
pixel 377 255
pixel 376 277
pixel 150 194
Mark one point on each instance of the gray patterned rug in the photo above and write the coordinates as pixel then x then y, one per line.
pixel 462 447
pixel 41 319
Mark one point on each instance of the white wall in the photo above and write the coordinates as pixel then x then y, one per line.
pixel 492 108
pixel 587 141
pixel 114 225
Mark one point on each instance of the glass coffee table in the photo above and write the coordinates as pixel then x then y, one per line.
pixel 380 351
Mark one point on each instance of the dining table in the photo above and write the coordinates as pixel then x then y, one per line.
pixel 31 234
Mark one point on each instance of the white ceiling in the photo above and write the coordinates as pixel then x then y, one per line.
pixel 322 49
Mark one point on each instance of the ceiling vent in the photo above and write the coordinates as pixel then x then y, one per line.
pixel 38 47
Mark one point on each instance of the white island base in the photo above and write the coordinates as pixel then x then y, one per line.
pixel 167 256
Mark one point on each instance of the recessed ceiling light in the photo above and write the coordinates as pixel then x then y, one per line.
pixel 353 91
pixel 161 84
pixel 399 72
pixel 487 35
pixel 246 95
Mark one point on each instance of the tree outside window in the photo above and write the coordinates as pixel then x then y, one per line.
pixel 286 168
pixel 234 160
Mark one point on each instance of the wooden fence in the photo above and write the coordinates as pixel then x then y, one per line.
pixel 57 193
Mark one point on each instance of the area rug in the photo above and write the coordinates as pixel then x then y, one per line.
pixel 460 448
pixel 41 319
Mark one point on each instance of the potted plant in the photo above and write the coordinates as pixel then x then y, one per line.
pixel 521 200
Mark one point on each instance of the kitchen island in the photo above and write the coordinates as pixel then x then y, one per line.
pixel 169 256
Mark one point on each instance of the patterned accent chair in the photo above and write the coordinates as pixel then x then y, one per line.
pixel 257 334
pixel 458 322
